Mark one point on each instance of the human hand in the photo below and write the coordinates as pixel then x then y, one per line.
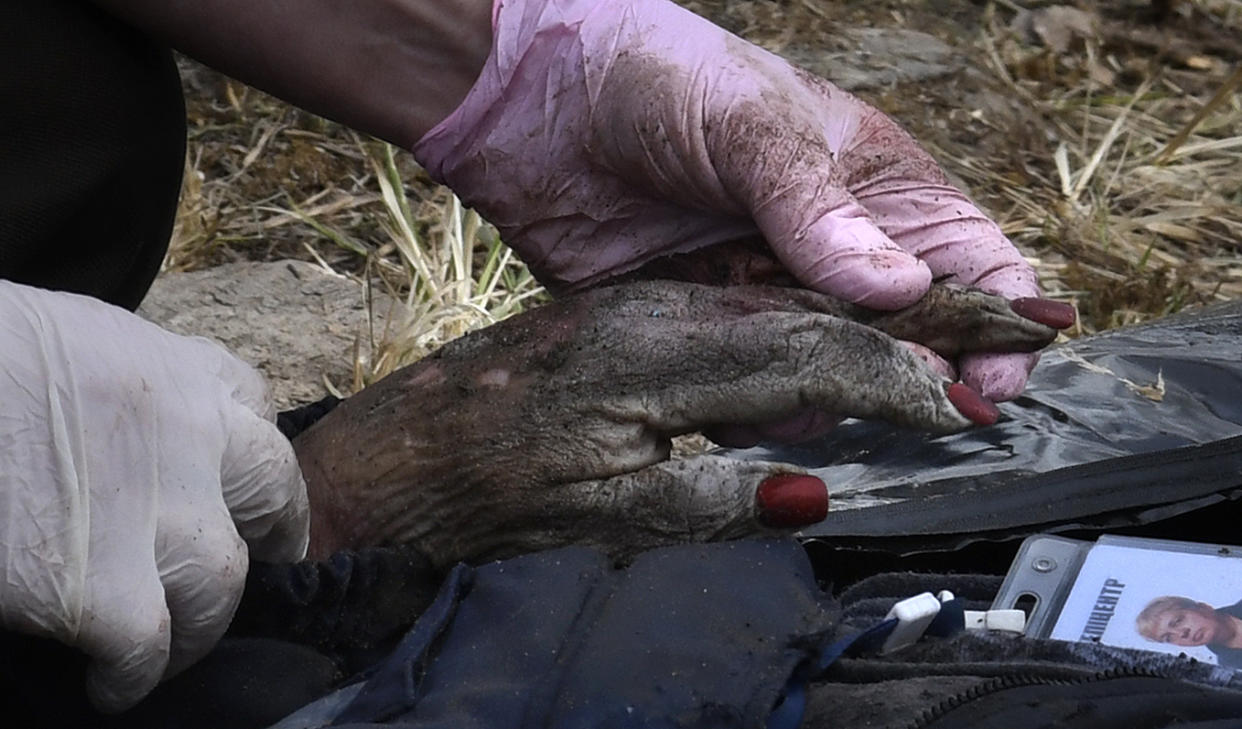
pixel 137 468
pixel 553 426
pixel 749 262
pixel 604 134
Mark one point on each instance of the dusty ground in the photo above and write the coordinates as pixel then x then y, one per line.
pixel 1079 131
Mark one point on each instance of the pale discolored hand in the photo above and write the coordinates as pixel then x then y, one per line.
pixel 553 426
pixel 751 261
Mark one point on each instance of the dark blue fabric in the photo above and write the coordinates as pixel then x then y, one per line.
pixel 689 636
pixel 951 620
pixel 788 713
pixel 396 681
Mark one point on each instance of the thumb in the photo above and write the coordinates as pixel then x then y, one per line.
pixel 792 188
pixel 704 498
pixel 841 252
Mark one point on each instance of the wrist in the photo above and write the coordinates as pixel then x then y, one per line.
pixel 370 465
pixel 391 68
pixel 453 45
pixel 523 34
pixel 330 531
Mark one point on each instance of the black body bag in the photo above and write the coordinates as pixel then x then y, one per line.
pixel 1135 431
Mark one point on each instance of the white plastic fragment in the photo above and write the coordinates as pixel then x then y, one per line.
pixel 913 615
pixel 1009 621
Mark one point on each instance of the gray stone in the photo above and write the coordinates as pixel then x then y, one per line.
pixel 876 57
pixel 294 321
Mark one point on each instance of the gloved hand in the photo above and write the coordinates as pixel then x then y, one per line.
pixel 604 133
pixel 553 426
pixel 136 467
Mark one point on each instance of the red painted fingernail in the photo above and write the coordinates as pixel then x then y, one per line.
pixel 1045 311
pixel 979 409
pixel 791 500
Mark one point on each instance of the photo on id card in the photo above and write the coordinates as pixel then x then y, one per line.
pixel 1156 595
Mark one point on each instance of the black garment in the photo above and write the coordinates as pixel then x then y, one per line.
pixel 691 636
pixel 92 149
pixel 1225 655
pixel 300 631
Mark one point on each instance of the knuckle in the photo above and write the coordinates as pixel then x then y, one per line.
pixel 202 557
pixel 142 622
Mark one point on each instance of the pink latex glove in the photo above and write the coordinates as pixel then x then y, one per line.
pixel 605 133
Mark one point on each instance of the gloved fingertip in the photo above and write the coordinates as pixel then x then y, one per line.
pixel 287 541
pixel 999 377
pixel 111 693
pixel 938 364
pixel 264 489
pixel 972 404
pixel 791 500
pixel 1002 388
pixel 846 255
pixel 1050 313
pixel 803 426
pixel 877 279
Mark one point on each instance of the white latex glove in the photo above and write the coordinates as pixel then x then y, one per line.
pixel 136 467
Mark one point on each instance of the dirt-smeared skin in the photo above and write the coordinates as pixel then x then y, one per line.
pixel 976 321
pixel 554 426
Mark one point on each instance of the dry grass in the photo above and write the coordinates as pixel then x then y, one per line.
pixel 266 181
pixel 1115 165
pixel 1137 210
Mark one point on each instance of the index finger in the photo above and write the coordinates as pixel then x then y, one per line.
pixel 909 197
pixel 263 488
pixel 781 161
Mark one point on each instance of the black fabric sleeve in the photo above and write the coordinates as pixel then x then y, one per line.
pixel 292 422
pixel 352 607
pixel 92 150
pixel 299 633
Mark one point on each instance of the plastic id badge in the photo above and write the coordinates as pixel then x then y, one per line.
pixel 1151 594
